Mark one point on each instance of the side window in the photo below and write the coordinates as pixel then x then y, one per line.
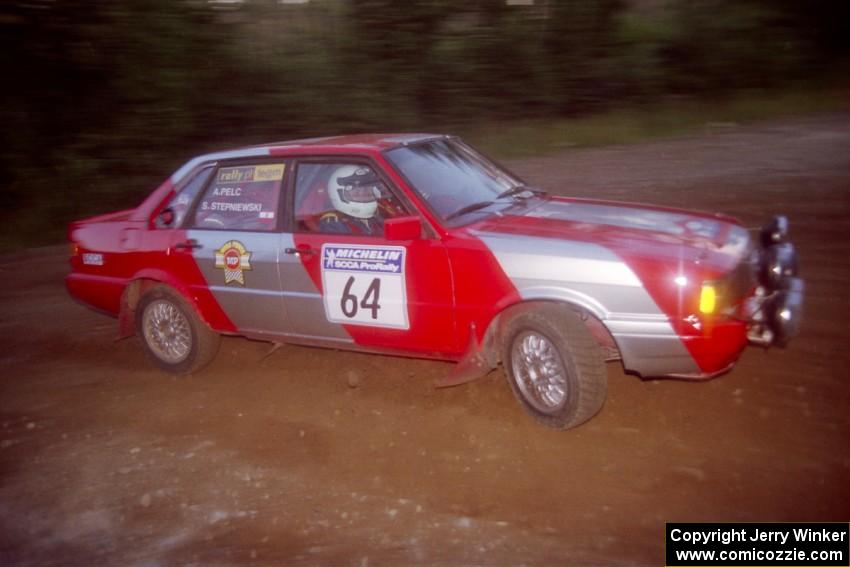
pixel 180 203
pixel 341 197
pixel 243 197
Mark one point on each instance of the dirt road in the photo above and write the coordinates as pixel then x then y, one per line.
pixel 278 460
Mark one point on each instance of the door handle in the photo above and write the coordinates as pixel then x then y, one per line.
pixel 304 249
pixel 188 244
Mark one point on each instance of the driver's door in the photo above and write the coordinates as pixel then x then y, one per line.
pixel 364 288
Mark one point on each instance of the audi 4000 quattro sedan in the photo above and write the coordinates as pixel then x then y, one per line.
pixel 417 245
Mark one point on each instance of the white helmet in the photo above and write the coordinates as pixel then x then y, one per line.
pixel 354 190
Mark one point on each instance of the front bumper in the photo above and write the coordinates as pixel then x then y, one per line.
pixel 764 306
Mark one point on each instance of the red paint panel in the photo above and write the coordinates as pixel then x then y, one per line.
pixel 179 269
pixel 482 289
pixel 718 346
pixel 149 256
pixel 429 295
pixel 101 292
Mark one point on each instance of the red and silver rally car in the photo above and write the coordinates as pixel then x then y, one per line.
pixel 418 245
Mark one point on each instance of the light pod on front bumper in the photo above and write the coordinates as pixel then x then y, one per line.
pixel 775 231
pixel 778 263
pixel 784 311
pixel 780 297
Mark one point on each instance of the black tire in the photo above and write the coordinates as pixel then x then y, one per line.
pixel 173 336
pixel 554 366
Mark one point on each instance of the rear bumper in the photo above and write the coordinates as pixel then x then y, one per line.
pixel 100 292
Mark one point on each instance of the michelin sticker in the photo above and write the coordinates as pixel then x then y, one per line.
pixel 365 285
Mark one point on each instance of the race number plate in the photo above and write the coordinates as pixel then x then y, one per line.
pixel 365 285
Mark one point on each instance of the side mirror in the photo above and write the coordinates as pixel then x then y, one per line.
pixel 403 228
pixel 165 218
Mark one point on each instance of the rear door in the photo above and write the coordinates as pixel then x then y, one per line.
pixel 232 236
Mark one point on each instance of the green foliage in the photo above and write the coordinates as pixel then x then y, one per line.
pixel 103 99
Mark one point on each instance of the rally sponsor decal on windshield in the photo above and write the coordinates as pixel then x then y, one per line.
pixel 365 285
pixel 247 174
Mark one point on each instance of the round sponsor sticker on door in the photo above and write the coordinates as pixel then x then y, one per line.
pixel 233 258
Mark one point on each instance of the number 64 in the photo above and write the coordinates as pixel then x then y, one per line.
pixel 349 302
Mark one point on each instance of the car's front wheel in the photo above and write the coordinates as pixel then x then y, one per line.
pixel 554 366
pixel 172 334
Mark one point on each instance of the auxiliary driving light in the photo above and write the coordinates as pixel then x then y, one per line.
pixel 784 311
pixel 775 231
pixel 779 263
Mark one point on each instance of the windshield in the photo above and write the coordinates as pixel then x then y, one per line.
pixel 457 182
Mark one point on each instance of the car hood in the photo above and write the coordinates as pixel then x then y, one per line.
pixel 637 233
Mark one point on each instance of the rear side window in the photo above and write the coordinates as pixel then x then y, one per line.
pixel 242 197
pixel 180 203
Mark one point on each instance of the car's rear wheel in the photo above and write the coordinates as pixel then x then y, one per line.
pixel 172 334
pixel 554 366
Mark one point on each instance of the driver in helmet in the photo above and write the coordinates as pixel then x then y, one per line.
pixel 354 191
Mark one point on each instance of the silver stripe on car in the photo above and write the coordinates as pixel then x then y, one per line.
pixel 594 278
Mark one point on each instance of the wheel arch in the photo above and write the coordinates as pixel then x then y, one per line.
pixel 137 287
pixel 560 294
pixel 494 335
pixel 173 337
